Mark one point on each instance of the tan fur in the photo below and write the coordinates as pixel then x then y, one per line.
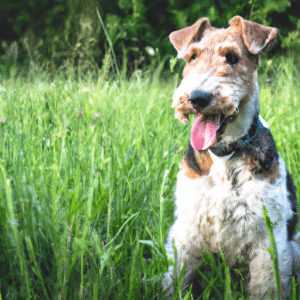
pixel 272 175
pixel 203 160
pixel 182 109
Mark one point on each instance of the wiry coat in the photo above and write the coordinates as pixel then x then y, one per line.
pixel 221 190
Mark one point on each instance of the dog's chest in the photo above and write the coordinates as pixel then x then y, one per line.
pixel 225 206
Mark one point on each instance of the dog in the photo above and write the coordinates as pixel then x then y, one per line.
pixel 231 168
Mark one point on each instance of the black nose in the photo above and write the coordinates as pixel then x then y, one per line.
pixel 200 99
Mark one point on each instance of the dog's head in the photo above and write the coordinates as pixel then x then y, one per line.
pixel 219 79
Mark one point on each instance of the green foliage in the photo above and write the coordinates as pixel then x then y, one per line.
pixel 58 33
pixel 80 195
pixel 292 40
pixel 64 33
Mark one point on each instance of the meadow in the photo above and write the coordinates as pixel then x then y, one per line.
pixel 88 168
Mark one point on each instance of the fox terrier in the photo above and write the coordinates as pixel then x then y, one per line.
pixel 231 168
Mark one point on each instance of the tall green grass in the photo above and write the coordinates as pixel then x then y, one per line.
pixel 87 175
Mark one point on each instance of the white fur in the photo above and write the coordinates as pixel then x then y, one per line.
pixel 264 122
pixel 213 213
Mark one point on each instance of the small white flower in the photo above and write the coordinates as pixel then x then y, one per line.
pixel 86 89
pixel 150 51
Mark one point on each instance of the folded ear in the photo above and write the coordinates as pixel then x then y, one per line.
pixel 257 38
pixel 181 39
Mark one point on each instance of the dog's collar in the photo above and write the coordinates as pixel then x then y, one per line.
pixel 228 150
pixel 256 126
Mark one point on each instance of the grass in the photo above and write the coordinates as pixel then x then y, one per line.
pixel 87 175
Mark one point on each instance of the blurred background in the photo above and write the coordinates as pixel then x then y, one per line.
pixel 56 34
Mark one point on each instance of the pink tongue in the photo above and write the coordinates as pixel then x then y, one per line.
pixel 204 131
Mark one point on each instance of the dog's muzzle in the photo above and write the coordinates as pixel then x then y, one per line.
pixel 200 99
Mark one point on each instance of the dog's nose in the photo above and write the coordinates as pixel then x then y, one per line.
pixel 200 98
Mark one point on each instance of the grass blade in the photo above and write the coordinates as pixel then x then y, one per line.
pixel 273 251
pixel 109 42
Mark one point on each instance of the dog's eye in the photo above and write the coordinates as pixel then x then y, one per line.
pixel 193 57
pixel 231 58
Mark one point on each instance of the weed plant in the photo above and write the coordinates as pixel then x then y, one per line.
pixel 87 175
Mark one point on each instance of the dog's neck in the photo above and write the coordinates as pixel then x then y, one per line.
pixel 240 126
pixel 227 150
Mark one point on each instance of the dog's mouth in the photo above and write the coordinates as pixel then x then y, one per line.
pixel 207 129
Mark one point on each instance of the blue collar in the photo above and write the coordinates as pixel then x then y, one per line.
pixel 250 136
pixel 255 127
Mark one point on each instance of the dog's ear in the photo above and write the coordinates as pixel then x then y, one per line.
pixel 257 38
pixel 181 39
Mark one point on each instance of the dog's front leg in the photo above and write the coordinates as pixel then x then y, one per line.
pixel 185 254
pixel 261 275
pixel 262 272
